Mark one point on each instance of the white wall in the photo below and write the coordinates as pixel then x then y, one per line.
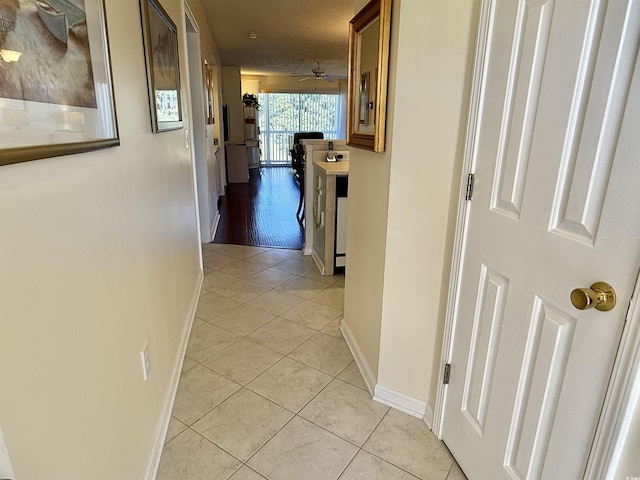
pixel 432 79
pixel 287 84
pixel 401 202
pixel 366 231
pixel 99 252
pixel 249 85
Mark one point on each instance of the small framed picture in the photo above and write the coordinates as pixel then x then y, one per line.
pixel 163 71
pixel 208 92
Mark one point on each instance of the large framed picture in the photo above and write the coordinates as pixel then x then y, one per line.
pixel 163 71
pixel 56 90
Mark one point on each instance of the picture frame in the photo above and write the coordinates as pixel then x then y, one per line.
pixel 369 43
pixel 160 39
pixel 56 86
pixel 208 92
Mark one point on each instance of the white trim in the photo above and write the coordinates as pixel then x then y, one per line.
pixel 475 109
pixel 189 134
pixel 214 227
pixel 307 249
pixel 621 400
pixel 428 417
pixel 361 362
pixel 163 422
pixel 380 393
pixel 191 17
pixel 317 260
pixel 400 401
pixel 192 53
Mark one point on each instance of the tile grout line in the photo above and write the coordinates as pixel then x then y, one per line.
pixel 263 346
pixel 281 290
pixel 294 414
pixel 297 414
pixel 214 407
pixel 276 317
pixel 387 460
pixel 244 386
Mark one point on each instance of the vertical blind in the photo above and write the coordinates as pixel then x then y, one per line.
pixel 283 114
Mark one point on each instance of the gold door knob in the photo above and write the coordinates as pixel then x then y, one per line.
pixel 600 296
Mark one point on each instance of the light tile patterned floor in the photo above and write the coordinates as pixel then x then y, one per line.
pixel 269 389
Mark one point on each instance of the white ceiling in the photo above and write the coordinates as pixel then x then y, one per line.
pixel 292 34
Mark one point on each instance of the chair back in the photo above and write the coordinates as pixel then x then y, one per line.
pixel 297 159
pixel 307 136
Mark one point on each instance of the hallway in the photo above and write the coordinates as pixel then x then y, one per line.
pixel 269 389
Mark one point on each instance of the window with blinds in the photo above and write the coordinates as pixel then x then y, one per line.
pixel 283 114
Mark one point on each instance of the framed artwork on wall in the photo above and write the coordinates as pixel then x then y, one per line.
pixel 163 71
pixel 56 89
pixel 369 40
pixel 208 92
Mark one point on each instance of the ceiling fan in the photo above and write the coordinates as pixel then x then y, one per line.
pixel 316 73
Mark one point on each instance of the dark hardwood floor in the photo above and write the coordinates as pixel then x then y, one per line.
pixel 262 212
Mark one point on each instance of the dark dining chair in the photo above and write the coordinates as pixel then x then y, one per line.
pixel 298 164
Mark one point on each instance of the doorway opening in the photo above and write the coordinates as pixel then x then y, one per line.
pixel 206 171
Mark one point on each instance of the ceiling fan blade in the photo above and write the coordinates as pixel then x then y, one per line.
pixel 303 79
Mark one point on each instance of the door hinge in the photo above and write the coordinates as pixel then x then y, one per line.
pixel 447 373
pixel 470 180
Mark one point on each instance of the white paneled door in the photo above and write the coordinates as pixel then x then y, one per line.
pixel 555 207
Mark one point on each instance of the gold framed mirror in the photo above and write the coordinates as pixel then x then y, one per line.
pixel 369 37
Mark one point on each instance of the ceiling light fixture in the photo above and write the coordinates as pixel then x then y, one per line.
pixel 253 35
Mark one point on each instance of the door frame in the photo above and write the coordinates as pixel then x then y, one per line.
pixel 198 136
pixel 619 404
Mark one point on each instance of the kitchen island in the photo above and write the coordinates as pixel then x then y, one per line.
pixel 329 220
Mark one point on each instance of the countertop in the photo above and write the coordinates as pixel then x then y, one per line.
pixel 340 167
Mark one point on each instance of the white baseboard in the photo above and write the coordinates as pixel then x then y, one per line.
pixel 214 227
pixel 380 393
pixel 361 362
pixel 163 422
pixel 308 249
pixel 318 260
pixel 428 417
pixel 400 401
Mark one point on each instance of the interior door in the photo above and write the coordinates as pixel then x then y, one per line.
pixel 555 207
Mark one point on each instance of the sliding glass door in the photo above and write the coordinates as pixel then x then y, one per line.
pixel 283 114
